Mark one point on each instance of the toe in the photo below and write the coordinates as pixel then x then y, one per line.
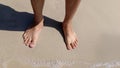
pixel 72 45
pixel 26 41
pixel 76 43
pixel 29 41
pixel 24 35
pixel 68 47
pixel 33 43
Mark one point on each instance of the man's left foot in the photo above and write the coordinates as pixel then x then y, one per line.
pixel 70 36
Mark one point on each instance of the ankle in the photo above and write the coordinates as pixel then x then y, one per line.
pixel 38 18
pixel 66 25
pixel 37 24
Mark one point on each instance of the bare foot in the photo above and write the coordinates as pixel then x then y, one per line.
pixel 30 36
pixel 70 36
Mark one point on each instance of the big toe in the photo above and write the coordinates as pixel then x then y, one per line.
pixel 68 46
pixel 32 44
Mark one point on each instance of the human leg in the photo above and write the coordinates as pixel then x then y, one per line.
pixel 70 36
pixel 30 36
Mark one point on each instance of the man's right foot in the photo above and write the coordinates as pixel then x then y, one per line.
pixel 31 35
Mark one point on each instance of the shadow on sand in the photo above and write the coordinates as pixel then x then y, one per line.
pixel 12 20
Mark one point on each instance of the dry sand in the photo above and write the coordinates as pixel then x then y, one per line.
pixel 97 24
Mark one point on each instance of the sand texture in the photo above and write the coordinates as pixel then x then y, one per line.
pixel 97 24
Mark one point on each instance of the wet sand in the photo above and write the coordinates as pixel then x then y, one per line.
pixel 96 23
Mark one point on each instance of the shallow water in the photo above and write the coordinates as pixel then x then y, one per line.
pixel 57 63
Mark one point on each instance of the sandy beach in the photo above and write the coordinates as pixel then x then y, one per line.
pixel 97 24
